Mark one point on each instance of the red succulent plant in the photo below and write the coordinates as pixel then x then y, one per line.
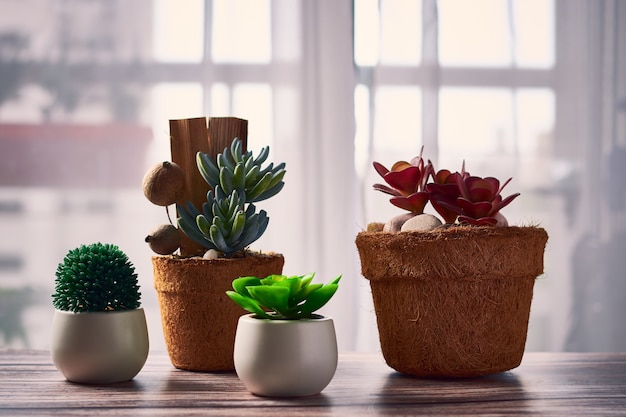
pixel 407 183
pixel 457 197
pixel 479 201
pixel 445 189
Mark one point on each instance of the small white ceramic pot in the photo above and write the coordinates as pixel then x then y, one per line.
pixel 99 347
pixel 285 358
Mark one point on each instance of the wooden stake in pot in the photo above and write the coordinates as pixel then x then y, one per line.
pixel 187 138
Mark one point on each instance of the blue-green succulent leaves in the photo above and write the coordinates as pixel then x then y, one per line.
pixel 280 297
pixel 229 221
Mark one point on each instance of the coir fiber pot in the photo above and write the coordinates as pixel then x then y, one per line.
pixel 454 302
pixel 199 320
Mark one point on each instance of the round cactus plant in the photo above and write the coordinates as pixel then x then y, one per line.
pixel 96 277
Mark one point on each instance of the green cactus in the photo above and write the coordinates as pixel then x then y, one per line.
pixel 228 221
pixel 96 277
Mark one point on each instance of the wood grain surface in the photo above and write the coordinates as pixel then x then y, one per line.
pixel 564 384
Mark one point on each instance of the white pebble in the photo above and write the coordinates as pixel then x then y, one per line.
pixel 422 223
pixel 502 221
pixel 211 254
pixel 395 224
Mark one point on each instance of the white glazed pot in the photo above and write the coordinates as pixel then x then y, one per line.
pixel 99 347
pixel 285 358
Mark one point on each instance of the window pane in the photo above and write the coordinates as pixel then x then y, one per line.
pixel 474 33
pixel 220 100
pixel 179 30
pixel 398 119
pixel 536 110
pixel 474 124
pixel 253 102
pixel 401 32
pixel 502 132
pixel 172 101
pixel 241 31
pixel 366 32
pixel 534 24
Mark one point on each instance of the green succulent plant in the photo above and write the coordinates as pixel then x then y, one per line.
pixel 278 297
pixel 96 277
pixel 228 221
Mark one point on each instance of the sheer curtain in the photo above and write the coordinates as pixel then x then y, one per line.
pixel 594 119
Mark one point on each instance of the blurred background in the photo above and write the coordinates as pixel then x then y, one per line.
pixel 529 89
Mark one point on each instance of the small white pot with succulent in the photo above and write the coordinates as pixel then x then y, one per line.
pixel 99 331
pixel 284 349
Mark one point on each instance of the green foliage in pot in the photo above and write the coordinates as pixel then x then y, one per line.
pixel 96 277
pixel 278 297
pixel 229 221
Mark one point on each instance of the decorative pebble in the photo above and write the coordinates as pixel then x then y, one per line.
pixel 422 223
pixel 395 224
pixel 211 254
pixel 502 221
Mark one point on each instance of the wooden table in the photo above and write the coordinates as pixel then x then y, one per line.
pixel 563 384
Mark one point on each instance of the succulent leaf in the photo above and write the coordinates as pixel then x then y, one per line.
pixel 248 303
pixel 209 171
pixel 479 201
pixel 237 180
pixel 290 298
pixel 240 284
pixel 406 183
pixel 317 299
pixel 414 203
pixel 276 296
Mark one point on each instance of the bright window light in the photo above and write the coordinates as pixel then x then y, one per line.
pixel 475 121
pixel 536 112
pixel 241 31
pixel 220 100
pixel 173 101
pixel 398 119
pixel 178 30
pixel 401 32
pixel 366 32
pixel 474 33
pixel 253 102
pixel 534 25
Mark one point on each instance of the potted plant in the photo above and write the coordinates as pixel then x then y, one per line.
pixel 451 298
pixel 99 332
pixel 198 260
pixel 284 349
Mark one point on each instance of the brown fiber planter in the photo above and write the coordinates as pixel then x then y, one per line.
pixel 453 302
pixel 199 320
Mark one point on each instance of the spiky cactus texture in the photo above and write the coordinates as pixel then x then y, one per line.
pixel 228 221
pixel 96 277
